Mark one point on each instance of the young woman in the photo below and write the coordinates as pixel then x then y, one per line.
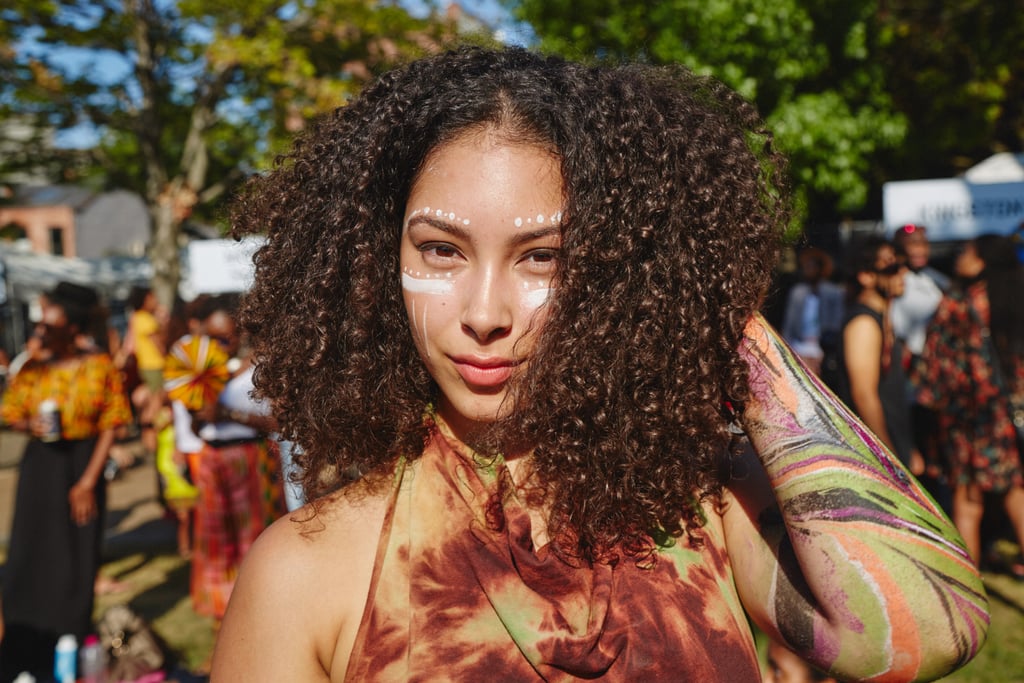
pixel 58 513
pixel 972 363
pixel 874 381
pixel 507 308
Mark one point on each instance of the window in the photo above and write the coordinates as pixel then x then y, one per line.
pixel 57 241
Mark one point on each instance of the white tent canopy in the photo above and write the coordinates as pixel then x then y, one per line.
pixel 1004 167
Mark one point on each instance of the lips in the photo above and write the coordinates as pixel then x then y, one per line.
pixel 484 372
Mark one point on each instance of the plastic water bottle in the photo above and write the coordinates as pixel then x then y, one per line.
pixel 92 662
pixel 64 659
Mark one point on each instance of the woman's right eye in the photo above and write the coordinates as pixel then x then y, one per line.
pixel 438 252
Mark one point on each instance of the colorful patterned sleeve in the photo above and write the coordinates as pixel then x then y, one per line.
pixel 859 571
pixel 115 411
pixel 17 400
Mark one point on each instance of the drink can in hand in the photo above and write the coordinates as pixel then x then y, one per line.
pixel 49 413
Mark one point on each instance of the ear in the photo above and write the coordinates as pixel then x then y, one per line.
pixel 866 279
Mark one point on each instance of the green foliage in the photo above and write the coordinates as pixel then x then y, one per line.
pixel 858 92
pixel 809 66
pixel 957 71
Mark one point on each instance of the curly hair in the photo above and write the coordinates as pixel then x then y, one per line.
pixel 675 203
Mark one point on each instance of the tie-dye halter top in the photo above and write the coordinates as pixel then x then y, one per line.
pixel 459 593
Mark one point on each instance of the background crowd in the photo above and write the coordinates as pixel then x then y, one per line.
pixel 931 361
pixel 180 382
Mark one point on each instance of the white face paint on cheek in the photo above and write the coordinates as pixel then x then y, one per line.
pixel 414 283
pixel 535 298
pixel 432 285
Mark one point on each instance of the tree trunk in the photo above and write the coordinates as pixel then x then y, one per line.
pixel 164 253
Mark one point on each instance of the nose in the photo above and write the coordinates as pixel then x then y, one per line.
pixel 487 308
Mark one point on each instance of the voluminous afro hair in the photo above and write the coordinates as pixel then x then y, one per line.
pixel 673 210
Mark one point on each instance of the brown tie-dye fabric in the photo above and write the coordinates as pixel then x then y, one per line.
pixel 459 593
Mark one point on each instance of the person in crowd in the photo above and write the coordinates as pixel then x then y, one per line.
pixel 910 312
pixel 971 372
pixel 235 473
pixel 507 307
pixel 874 381
pixel 814 310
pixel 147 342
pixel 923 287
pixel 57 530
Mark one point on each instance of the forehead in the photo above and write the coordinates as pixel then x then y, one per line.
pixel 482 175
pixel 50 310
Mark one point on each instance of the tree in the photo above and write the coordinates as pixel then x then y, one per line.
pixel 956 70
pixel 189 96
pixel 808 65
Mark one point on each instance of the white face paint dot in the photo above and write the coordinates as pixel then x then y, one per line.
pixel 439 213
pixel 540 218
pixel 518 222
pixel 451 216
pixel 465 221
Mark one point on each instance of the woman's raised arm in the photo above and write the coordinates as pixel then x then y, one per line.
pixel 837 549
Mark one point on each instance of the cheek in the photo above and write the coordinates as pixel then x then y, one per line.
pixel 534 308
pixel 533 299
pixel 428 313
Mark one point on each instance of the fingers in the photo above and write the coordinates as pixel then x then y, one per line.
pixel 83 507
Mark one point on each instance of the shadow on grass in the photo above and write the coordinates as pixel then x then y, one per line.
pixel 1013 602
pixel 154 535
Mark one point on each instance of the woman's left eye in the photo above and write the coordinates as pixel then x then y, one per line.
pixel 541 261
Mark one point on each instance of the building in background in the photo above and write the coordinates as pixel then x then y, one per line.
pixel 72 221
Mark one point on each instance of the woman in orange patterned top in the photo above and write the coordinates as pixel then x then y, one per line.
pixel 507 306
pixel 58 517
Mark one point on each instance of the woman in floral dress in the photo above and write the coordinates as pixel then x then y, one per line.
pixel 971 365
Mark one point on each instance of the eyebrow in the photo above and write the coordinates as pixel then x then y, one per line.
pixel 462 233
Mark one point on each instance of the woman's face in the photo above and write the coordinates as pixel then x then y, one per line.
pixel 479 251
pixel 54 330
pixel 220 326
pixel 968 264
pixel 889 273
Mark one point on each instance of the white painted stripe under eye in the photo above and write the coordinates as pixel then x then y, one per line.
pixel 537 297
pixel 427 286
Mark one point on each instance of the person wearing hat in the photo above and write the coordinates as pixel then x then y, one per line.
pixel 69 401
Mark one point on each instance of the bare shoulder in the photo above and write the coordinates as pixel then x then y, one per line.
pixel 299 598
